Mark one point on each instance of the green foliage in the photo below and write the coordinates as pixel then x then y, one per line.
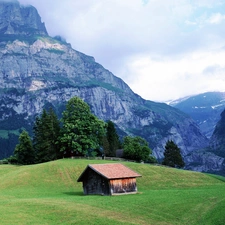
pixel 46 132
pixel 96 83
pixel 81 131
pixel 30 39
pixel 105 145
pixel 4 161
pixel 60 39
pixel 112 138
pixel 172 156
pixel 136 148
pixel 55 51
pixel 12 159
pixel 24 152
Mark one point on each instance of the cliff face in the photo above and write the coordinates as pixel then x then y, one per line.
pixel 217 141
pixel 49 72
pixel 212 158
pixel 18 20
pixel 38 71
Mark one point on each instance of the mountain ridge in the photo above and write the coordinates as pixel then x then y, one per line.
pixel 38 71
pixel 204 108
pixel 24 20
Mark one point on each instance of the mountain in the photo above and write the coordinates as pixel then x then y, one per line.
pixel 38 71
pixel 204 108
pixel 207 110
pixel 212 158
pixel 217 141
pixel 17 20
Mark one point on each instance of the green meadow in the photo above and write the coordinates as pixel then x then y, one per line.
pixel 49 193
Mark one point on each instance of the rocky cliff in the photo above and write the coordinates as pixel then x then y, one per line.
pixel 217 142
pixel 19 20
pixel 212 158
pixel 38 71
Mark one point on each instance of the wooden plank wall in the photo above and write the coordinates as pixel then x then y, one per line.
pixel 95 184
pixel 120 186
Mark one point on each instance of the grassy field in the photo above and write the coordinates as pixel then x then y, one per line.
pixel 48 193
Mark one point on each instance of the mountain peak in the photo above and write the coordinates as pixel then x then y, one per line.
pixel 16 19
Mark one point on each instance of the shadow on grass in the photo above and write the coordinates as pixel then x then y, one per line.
pixel 74 193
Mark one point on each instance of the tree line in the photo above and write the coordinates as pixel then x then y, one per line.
pixel 78 133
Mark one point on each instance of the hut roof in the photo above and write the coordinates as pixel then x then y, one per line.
pixel 111 171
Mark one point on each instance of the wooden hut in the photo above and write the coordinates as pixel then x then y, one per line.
pixel 108 179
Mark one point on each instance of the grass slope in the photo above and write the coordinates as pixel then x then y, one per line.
pixel 48 193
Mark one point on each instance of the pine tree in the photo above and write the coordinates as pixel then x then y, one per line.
pixel 172 155
pixel 24 152
pixel 46 133
pixel 113 139
pixel 105 145
pixel 82 132
pixel 54 133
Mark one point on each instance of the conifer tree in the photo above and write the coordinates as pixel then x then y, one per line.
pixel 40 142
pixel 55 133
pixel 105 145
pixel 172 155
pixel 46 132
pixel 113 139
pixel 24 152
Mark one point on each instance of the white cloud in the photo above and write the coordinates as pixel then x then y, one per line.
pixel 160 48
pixel 172 78
pixel 216 18
pixel 188 22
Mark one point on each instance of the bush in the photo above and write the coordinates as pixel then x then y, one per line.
pixel 12 160
pixel 4 161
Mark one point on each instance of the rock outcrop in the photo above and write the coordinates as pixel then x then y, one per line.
pixel 19 20
pixel 38 71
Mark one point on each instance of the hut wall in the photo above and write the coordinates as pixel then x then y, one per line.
pixel 120 186
pixel 95 184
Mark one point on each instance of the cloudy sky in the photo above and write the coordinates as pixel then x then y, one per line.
pixel 162 49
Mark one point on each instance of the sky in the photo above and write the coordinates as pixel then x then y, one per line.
pixel 164 50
